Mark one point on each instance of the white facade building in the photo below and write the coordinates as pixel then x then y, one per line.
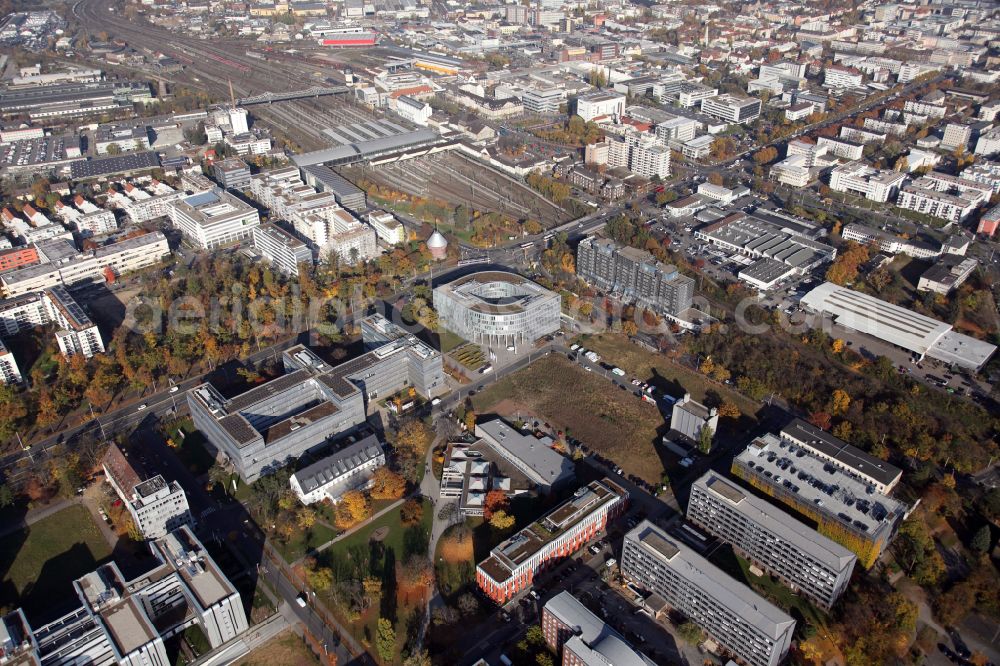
pixel 9 372
pixel 281 248
pixel 213 219
pixel 732 108
pixel 599 104
pixel 387 228
pixel 859 178
pixel 350 468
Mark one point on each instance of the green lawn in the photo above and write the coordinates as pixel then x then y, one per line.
pixel 303 542
pixel 395 540
pixel 40 562
pixel 449 340
pixel 774 590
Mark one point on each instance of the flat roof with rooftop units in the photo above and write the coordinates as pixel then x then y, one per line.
pixel 874 470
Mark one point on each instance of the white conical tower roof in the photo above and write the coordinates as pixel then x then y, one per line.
pixel 437 240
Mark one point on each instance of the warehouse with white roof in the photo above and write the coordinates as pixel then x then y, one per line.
pixel 904 328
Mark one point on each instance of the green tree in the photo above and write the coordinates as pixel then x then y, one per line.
pixel 980 542
pixel 6 496
pixel 705 439
pixel 385 640
pixel 689 632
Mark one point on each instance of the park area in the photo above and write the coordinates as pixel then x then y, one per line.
pixel 376 579
pixel 40 562
pixel 584 405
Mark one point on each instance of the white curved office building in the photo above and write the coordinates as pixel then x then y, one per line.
pixel 496 307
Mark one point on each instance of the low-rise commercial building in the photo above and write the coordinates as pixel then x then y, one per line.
pixel 542 465
pixel 904 328
pixel 497 308
pixel 349 468
pixel 805 560
pixel 946 276
pixel 745 624
pixel 512 565
pixel 600 104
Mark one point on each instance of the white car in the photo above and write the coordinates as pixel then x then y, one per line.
pixel 141 407
pixel 173 389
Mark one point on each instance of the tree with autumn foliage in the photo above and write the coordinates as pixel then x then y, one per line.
pixel 387 484
pixel 411 442
pixel 845 269
pixel 496 500
pixel 412 512
pixel 352 508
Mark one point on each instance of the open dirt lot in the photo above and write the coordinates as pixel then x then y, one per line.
pixel 285 649
pixel 608 420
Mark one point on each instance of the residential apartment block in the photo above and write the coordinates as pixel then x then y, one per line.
pixel 633 275
pixel 512 565
pixel 805 560
pixel 846 509
pixel 276 422
pixel 281 248
pixel 9 372
pixel 745 624
pixel 75 334
pixel 157 507
pixel 584 639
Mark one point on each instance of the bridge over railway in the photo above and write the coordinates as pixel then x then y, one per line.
pixel 315 91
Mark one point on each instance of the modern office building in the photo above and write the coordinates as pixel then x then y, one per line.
pixel 879 473
pixel 845 508
pixel 732 108
pixel 805 560
pixel 125 622
pixel 213 219
pixel 859 178
pixel 281 248
pixel 745 624
pixel 545 101
pixel 634 275
pixel 898 326
pixel 157 507
pixel 497 308
pixel 232 173
pixel 274 423
pixel 943 196
pixel 349 468
pixel 9 372
pixel 584 639
pixel 512 565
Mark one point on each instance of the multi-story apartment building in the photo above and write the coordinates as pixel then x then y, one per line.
pixel 213 219
pixel 859 178
pixel 925 195
pixel 512 565
pixel 691 94
pixel 922 108
pixel 276 422
pixel 17 257
pixel 387 228
pixel 989 222
pixel 497 308
pixel 732 108
pixel 861 135
pixel 745 624
pixel 676 129
pixel 600 104
pixel 118 258
pixel 846 509
pixel 348 468
pixel 9 372
pixel 804 559
pixel 75 334
pixel 157 507
pixel 584 639
pixel 849 150
pixel 984 172
pixel 634 275
pixel 988 143
pixel 956 135
pixel 282 248
pixel 836 76
pixel 647 157
pixel 122 621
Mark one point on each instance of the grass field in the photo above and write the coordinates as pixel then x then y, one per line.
pixel 395 540
pixel 587 406
pixel 285 649
pixel 660 371
pixel 303 541
pixel 40 562
pixel 449 340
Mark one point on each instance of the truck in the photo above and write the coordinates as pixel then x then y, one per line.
pixel 301 600
pixel 618 371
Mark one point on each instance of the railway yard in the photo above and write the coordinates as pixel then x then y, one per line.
pixel 458 180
